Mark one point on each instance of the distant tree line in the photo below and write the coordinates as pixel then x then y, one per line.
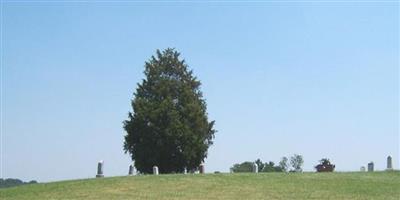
pixel 11 182
pixel 296 162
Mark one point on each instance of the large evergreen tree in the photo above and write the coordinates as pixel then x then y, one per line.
pixel 168 127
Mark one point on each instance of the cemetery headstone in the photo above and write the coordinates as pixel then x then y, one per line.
pixel 255 168
pixel 100 169
pixel 389 163
pixel 362 169
pixel 371 166
pixel 155 170
pixel 131 169
pixel 201 168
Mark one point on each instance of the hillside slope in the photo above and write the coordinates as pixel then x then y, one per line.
pixel 377 185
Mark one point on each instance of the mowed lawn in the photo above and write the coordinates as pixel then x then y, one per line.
pixel 354 185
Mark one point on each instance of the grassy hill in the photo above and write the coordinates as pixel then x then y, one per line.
pixel 355 185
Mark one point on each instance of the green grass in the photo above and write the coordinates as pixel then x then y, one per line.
pixel 355 185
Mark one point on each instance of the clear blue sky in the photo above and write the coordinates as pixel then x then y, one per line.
pixel 317 79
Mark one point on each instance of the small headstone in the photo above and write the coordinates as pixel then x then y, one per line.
pixel 371 167
pixel 362 169
pixel 389 165
pixel 100 169
pixel 155 170
pixel 131 169
pixel 255 168
pixel 185 171
pixel 201 168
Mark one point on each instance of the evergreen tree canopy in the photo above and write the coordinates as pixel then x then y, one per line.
pixel 169 126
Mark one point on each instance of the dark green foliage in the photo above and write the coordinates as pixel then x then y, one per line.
pixel 260 164
pixel 325 161
pixel 262 167
pixel 270 167
pixel 243 167
pixel 325 166
pixel 168 126
pixel 11 182
pixel 297 162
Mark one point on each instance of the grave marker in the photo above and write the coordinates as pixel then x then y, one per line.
pixel 201 168
pixel 155 170
pixel 255 168
pixel 100 169
pixel 131 169
pixel 389 165
pixel 371 167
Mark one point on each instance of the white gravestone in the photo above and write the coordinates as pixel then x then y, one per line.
pixel 255 168
pixel 155 170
